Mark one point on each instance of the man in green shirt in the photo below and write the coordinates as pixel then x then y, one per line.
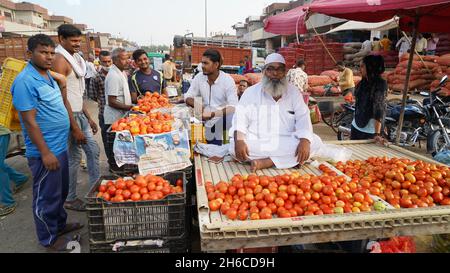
pixel 7 174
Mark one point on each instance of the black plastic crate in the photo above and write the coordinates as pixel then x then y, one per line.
pixel 137 220
pixel 180 245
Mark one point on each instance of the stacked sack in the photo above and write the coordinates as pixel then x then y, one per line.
pixel 254 78
pixel 350 53
pixel 422 73
pixel 317 85
pixel 443 46
pixel 444 69
pixel 390 57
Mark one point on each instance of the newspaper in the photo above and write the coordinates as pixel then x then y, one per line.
pixel 159 154
pixel 154 154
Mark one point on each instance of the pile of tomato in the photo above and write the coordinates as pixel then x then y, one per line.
pixel 152 123
pixel 141 188
pixel 401 182
pixel 152 101
pixel 262 197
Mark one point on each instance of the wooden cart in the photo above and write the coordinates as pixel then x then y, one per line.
pixel 218 234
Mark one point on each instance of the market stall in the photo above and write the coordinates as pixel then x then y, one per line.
pixel 219 234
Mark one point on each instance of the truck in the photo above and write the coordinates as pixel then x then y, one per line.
pixel 189 51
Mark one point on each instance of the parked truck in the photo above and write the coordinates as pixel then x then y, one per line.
pixel 189 51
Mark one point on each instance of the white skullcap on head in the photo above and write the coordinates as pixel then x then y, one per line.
pixel 275 58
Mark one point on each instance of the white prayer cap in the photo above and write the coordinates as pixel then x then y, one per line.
pixel 275 58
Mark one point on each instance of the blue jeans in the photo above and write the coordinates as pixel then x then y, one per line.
pixel 8 174
pixel 92 152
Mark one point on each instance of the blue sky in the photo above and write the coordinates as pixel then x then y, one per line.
pixel 157 21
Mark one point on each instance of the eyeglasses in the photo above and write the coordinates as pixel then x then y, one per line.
pixel 272 69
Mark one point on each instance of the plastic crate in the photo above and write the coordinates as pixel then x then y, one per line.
pixel 110 222
pixel 8 115
pixel 166 246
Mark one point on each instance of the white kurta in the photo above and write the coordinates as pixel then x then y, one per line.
pixel 273 129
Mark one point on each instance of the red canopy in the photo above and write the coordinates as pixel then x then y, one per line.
pixel 434 14
pixel 287 23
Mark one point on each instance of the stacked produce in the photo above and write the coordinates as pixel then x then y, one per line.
pixel 151 101
pixel 401 182
pixel 314 54
pixel 262 197
pixel 141 188
pixel 443 46
pixel 422 73
pixel 152 123
pixel 444 69
pixel 390 57
pixel 350 53
pixel 317 84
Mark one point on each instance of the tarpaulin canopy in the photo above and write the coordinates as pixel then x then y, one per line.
pixel 356 25
pixel 287 23
pixel 434 14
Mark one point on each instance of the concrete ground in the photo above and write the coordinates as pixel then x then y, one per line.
pixel 17 232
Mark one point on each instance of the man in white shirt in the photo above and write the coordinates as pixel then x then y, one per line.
pixel 213 94
pixel 272 124
pixel 403 45
pixel 421 44
pixel 117 95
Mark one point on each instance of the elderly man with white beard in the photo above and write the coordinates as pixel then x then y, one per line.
pixel 272 125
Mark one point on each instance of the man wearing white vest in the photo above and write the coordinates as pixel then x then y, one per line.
pixel 117 96
pixel 69 63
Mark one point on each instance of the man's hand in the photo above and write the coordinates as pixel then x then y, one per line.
pixel 303 151
pixel 79 137
pixel 380 140
pixel 50 161
pixel 94 126
pixel 241 150
pixel 207 115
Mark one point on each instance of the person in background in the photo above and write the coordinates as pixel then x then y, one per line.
pixel 298 77
pixel 8 174
pixel 91 72
pixel 403 45
pixel 217 92
pixel 70 64
pixel 241 67
pixel 248 65
pixel 118 97
pixel 366 46
pixel 97 85
pixel 421 45
pixel 370 97
pixel 432 44
pixel 346 81
pixel 169 69
pixel 146 79
pixel 243 85
pixel 386 43
pixel 376 45
pixel 45 126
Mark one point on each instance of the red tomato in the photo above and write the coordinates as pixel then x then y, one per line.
pixel 102 188
pixel 214 205
pixel 243 215
pixel 438 197
pixel 136 197
pixel 112 190
pixel 232 214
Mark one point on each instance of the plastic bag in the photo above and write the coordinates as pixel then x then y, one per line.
pixel 393 245
pixel 443 157
pixel 329 152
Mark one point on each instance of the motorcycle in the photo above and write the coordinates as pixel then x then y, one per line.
pixel 425 120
